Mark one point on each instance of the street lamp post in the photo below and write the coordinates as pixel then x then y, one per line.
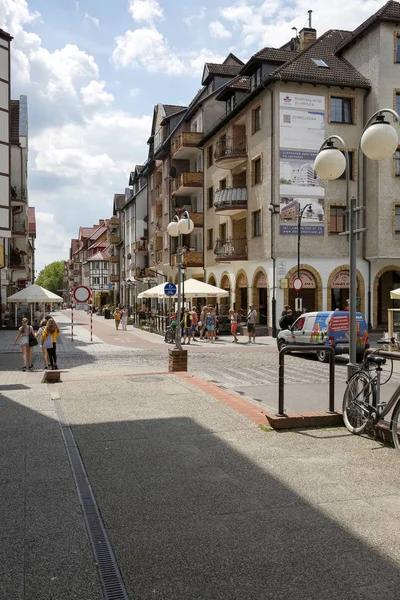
pixel 177 228
pixel 378 141
pixel 299 218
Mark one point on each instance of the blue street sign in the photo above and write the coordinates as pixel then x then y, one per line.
pixel 170 289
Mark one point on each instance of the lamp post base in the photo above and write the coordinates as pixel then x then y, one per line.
pixel 351 369
pixel 177 360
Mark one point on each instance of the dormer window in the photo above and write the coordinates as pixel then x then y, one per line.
pixel 230 104
pixel 255 79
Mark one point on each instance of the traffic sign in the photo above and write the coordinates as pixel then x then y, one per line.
pixel 170 289
pixel 82 293
pixel 297 284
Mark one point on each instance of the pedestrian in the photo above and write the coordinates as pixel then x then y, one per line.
pixel 251 323
pixel 23 335
pixel 117 317
pixel 186 325
pixel 39 334
pixel 234 323
pixel 124 318
pixel 202 322
pixel 285 309
pixel 211 322
pixel 347 307
pixel 195 322
pixel 287 320
pixel 49 341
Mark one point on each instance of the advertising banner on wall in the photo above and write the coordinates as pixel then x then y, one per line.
pixel 302 132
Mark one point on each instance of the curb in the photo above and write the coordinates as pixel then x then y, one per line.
pixel 305 419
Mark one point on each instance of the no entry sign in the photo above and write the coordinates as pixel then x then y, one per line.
pixel 82 293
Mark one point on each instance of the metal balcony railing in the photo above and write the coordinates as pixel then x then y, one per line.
pixel 230 198
pixel 231 248
pixel 18 192
pixel 230 146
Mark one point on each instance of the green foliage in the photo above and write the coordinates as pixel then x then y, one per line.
pixel 51 277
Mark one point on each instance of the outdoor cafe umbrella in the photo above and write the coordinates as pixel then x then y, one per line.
pixel 193 289
pixel 395 294
pixel 31 294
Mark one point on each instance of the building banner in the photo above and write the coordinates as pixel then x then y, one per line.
pixel 302 132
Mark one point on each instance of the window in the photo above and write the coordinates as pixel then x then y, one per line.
pixel 397 218
pixel 210 197
pixel 396 159
pixel 256 119
pixel 166 239
pixel 337 217
pixel 222 231
pixel 210 239
pixel 257 223
pixel 351 163
pixel 222 184
pixel 230 104
pixel 320 63
pixel 255 79
pixel 256 171
pixel 397 48
pixel 341 110
pixel 210 157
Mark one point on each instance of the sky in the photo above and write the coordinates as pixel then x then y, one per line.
pixel 93 70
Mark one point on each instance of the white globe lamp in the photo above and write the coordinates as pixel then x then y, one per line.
pixel 185 226
pixel 330 164
pixel 380 140
pixel 173 229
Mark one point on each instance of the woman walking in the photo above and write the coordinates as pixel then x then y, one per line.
pixel 234 323
pixel 211 323
pixel 124 318
pixel 39 334
pixel 202 322
pixel 23 335
pixel 49 341
pixel 117 317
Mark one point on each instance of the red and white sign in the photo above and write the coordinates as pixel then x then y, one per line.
pixel 297 284
pixel 82 293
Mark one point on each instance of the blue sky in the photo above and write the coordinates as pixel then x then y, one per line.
pixel 94 69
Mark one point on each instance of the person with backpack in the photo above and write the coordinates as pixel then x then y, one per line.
pixel 24 333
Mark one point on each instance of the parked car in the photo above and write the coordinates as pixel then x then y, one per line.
pixel 328 328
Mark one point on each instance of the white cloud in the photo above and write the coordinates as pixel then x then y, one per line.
pixel 94 94
pixel 195 17
pixel 147 48
pixel 196 60
pixel 94 20
pixel 145 10
pixel 218 31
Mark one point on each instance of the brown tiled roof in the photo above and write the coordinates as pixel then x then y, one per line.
pixel 274 55
pixel 241 82
pixel 339 71
pixel 172 109
pixel 31 220
pixel 98 232
pixel 230 70
pixel 74 246
pixel 85 232
pixel 14 121
pixel 389 12
pixel 98 256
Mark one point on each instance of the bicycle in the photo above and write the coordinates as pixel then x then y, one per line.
pixel 362 403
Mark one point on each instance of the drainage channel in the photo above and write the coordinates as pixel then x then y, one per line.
pixel 110 576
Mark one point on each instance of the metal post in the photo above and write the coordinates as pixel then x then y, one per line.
pixel 331 381
pixel 72 322
pixel 281 387
pixel 352 364
pixel 178 315
pixel 91 321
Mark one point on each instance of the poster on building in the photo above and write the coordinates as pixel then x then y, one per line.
pixel 302 132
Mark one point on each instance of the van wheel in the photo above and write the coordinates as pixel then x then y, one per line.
pixel 281 344
pixel 322 356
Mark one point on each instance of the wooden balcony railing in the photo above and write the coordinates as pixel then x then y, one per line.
pixel 231 248
pixel 189 259
pixel 187 180
pixel 185 139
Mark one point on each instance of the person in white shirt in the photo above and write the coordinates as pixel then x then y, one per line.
pixel 251 323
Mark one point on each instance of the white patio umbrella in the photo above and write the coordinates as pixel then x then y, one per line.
pixel 395 294
pixel 193 289
pixel 31 294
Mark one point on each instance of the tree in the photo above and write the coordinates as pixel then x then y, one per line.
pixel 51 277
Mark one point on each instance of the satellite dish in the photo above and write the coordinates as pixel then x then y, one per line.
pixel 172 172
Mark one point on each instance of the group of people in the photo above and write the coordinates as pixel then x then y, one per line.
pixel 121 317
pixel 46 336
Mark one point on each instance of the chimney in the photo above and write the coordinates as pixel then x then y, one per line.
pixel 307 35
pixel 101 223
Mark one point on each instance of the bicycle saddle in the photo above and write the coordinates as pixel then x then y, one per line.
pixel 375 358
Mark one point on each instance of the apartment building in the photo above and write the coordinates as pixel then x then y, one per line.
pixel 278 111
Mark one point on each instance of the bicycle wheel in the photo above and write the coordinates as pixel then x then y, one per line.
pixel 396 426
pixel 356 396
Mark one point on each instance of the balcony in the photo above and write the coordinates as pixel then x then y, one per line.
pixel 230 152
pixel 114 239
pixel 185 145
pixel 114 259
pixel 230 249
pixel 189 259
pixel 112 223
pixel 141 246
pixel 18 194
pixel 197 218
pixel 230 201
pixel 186 184
pixel 114 278
pixel 19 227
pixel 158 209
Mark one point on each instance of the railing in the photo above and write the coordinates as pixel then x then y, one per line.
pixel 114 258
pixel 159 256
pixel 186 138
pixel 158 209
pixel 159 323
pixel 114 278
pixel 231 248
pixel 187 179
pixel 113 222
pixel 230 198
pixel 190 258
pixel 114 239
pixel 18 192
pixel 231 146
